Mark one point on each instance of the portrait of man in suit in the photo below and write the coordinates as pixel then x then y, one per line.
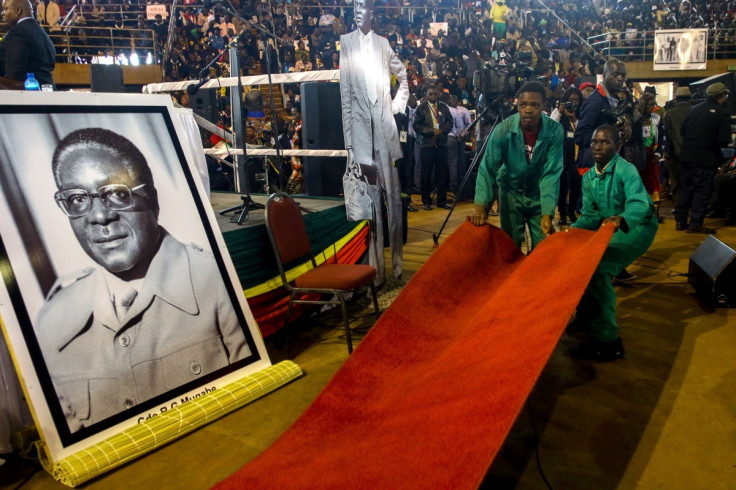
pixel 371 138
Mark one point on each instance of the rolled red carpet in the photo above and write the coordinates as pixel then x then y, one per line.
pixel 427 398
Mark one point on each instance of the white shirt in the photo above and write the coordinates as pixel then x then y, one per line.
pixel 366 49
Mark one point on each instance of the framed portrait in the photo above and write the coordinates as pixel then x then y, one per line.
pixel 680 49
pixel 119 300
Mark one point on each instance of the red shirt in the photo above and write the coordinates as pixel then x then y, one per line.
pixel 530 139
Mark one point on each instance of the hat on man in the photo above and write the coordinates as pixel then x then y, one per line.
pixel 683 92
pixel 716 89
pixel 650 90
pixel 585 85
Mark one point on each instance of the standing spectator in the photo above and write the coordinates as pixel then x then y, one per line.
pixel 456 143
pixel 673 120
pixel 499 11
pixel 25 48
pixel 570 180
pixel 586 89
pixel 432 123
pixel 705 130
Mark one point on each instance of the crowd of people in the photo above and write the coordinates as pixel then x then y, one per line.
pixel 516 40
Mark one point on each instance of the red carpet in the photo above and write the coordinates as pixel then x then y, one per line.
pixel 427 398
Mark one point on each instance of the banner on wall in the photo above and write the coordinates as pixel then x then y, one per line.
pixel 119 300
pixel 680 49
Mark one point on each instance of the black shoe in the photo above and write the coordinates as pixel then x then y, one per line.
pixel 572 218
pixel 624 276
pixel 445 206
pixel 427 207
pixel 411 208
pixel 693 228
pixel 599 351
pixel 681 226
pixel 562 222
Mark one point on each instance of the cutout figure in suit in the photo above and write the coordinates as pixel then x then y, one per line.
pixel 371 137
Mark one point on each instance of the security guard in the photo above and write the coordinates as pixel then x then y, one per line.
pixel 156 314
pixel 528 149
pixel 613 193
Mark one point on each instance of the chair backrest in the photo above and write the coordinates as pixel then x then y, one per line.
pixel 286 229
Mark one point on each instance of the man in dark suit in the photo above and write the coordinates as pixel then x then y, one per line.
pixel 707 128
pixel 26 48
pixel 432 123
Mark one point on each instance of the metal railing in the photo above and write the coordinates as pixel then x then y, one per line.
pixel 78 44
pixel 641 47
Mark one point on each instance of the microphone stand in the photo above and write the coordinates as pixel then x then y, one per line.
pixel 274 123
pixel 203 75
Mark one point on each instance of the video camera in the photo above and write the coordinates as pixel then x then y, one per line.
pixel 618 116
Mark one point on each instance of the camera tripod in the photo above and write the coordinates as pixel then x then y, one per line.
pixel 469 171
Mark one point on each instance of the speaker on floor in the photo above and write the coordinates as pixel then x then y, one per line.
pixel 204 104
pixel 106 78
pixel 322 130
pixel 712 272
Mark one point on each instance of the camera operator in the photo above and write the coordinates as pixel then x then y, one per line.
pixel 570 180
pixel 596 110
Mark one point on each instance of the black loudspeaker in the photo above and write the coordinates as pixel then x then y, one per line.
pixel 322 130
pixel 712 272
pixel 204 104
pixel 106 78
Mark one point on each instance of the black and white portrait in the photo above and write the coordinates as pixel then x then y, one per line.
pixel 680 49
pixel 126 298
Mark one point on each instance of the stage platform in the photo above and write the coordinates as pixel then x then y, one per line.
pixel 256 217
pixel 331 235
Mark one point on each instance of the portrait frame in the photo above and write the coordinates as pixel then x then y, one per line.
pixel 680 49
pixel 38 248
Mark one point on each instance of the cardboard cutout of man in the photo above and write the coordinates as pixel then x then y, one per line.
pixel 153 316
pixel 371 137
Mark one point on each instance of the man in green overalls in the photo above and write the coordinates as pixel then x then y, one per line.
pixel 613 194
pixel 524 155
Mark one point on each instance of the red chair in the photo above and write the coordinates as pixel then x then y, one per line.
pixel 290 243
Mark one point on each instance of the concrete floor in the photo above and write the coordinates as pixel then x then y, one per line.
pixel 663 417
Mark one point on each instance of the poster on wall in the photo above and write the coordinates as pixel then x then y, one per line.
pixel 684 49
pixel 119 300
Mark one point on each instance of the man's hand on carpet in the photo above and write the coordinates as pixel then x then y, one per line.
pixel 616 220
pixel 547 228
pixel 478 218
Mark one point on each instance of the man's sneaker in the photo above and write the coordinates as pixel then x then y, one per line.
pixel 596 350
pixel 624 276
pixel 681 226
pixel 704 230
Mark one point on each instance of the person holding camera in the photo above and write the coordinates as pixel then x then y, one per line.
pixel 570 180
pixel 596 109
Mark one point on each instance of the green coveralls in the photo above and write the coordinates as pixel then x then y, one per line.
pixel 617 191
pixel 526 190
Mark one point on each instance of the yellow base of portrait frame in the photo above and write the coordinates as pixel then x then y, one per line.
pixel 157 431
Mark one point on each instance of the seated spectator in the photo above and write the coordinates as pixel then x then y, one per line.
pixel 303 64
